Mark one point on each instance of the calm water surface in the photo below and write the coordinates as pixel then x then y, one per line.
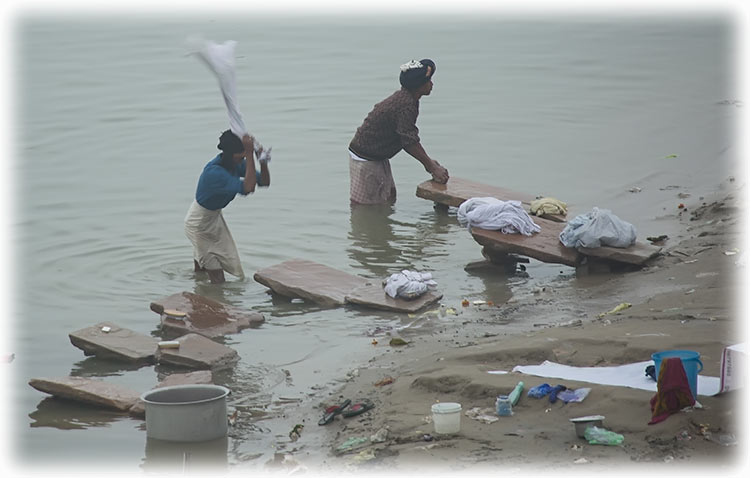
pixel 115 124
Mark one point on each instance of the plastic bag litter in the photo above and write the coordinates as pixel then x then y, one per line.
pixel 408 284
pixel 602 436
pixel 598 228
pixel 493 214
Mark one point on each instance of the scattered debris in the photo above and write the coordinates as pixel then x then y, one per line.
pixel 731 252
pixel 380 436
pixel 484 415
pixel 619 308
pixel 351 443
pixel 385 381
pixel 580 461
pixel 635 190
pixel 395 342
pixel 655 239
pixel 296 432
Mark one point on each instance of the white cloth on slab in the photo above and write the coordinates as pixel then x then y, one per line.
pixel 408 284
pixel 598 228
pixel 491 213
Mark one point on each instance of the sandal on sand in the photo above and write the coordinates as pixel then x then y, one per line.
pixel 358 409
pixel 332 411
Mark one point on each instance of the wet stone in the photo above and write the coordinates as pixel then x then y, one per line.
pixel 203 316
pixel 309 280
pixel 199 353
pixel 110 341
pixel 93 392
pixel 374 296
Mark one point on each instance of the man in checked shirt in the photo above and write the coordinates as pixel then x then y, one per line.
pixel 390 127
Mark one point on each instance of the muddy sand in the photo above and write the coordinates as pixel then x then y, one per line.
pixel 685 299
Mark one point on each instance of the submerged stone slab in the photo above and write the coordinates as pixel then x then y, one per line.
pixel 200 377
pixel 458 190
pixel 375 297
pixel 203 316
pixel 89 391
pixel 110 341
pixel 309 280
pixel 199 353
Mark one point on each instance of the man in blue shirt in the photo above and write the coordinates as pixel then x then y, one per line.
pixel 230 173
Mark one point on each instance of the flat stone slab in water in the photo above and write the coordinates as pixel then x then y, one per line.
pixel 309 280
pixel 200 377
pixel 202 316
pixel 89 391
pixel 458 190
pixel 110 341
pixel 199 353
pixel 374 296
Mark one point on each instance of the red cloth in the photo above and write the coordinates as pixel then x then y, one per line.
pixel 672 391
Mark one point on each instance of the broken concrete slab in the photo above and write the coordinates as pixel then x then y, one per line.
pixel 190 378
pixel 203 316
pixel 374 296
pixel 110 341
pixel 309 280
pixel 198 352
pixel 93 392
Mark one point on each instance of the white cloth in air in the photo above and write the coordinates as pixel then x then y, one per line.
pixel 408 284
pixel 491 213
pixel 220 60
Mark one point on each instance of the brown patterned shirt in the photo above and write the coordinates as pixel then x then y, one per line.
pixel 388 128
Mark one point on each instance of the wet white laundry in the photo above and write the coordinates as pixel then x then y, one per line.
pixel 220 60
pixel 408 284
pixel 491 213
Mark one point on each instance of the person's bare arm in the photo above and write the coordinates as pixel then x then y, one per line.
pixel 439 173
pixel 248 184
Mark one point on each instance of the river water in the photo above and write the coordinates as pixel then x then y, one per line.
pixel 114 124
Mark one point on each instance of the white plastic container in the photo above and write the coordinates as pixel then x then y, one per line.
pixel 446 417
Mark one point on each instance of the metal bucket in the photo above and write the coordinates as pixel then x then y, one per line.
pixel 186 413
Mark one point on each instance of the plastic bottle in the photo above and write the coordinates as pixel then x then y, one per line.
pixel 516 394
pixel 602 436
pixel 503 406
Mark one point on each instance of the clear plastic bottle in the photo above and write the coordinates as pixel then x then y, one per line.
pixel 503 406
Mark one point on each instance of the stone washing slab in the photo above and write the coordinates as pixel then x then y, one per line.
pixel 118 343
pixel 309 280
pixel 458 190
pixel 199 353
pixel 375 297
pixel 200 377
pixel 204 316
pixel 93 392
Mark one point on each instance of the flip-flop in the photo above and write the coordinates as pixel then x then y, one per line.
pixel 358 409
pixel 332 411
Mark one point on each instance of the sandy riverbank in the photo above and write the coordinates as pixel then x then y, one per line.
pixel 686 299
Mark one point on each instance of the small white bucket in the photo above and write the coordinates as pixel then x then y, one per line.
pixel 446 417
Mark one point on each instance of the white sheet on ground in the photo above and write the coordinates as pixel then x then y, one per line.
pixel 631 375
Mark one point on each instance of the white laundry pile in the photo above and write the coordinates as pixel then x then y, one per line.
pixel 408 284
pixel 220 60
pixel 598 228
pixel 491 213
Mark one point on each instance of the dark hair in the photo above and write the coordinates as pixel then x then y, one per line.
pixel 230 143
pixel 413 78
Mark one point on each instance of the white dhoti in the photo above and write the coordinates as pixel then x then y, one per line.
pixel 213 245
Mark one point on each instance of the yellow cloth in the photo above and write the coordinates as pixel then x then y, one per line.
pixel 543 206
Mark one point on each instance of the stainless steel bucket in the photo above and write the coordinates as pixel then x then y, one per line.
pixel 186 413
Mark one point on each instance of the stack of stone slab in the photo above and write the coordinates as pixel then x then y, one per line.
pixel 191 320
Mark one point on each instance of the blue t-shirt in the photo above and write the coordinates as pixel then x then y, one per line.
pixel 217 186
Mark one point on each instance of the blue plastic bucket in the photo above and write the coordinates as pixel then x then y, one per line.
pixel 691 362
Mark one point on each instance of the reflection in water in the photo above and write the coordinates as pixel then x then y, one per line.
pixel 69 415
pixel 382 245
pixel 177 457
pixel 98 367
pixel 495 278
